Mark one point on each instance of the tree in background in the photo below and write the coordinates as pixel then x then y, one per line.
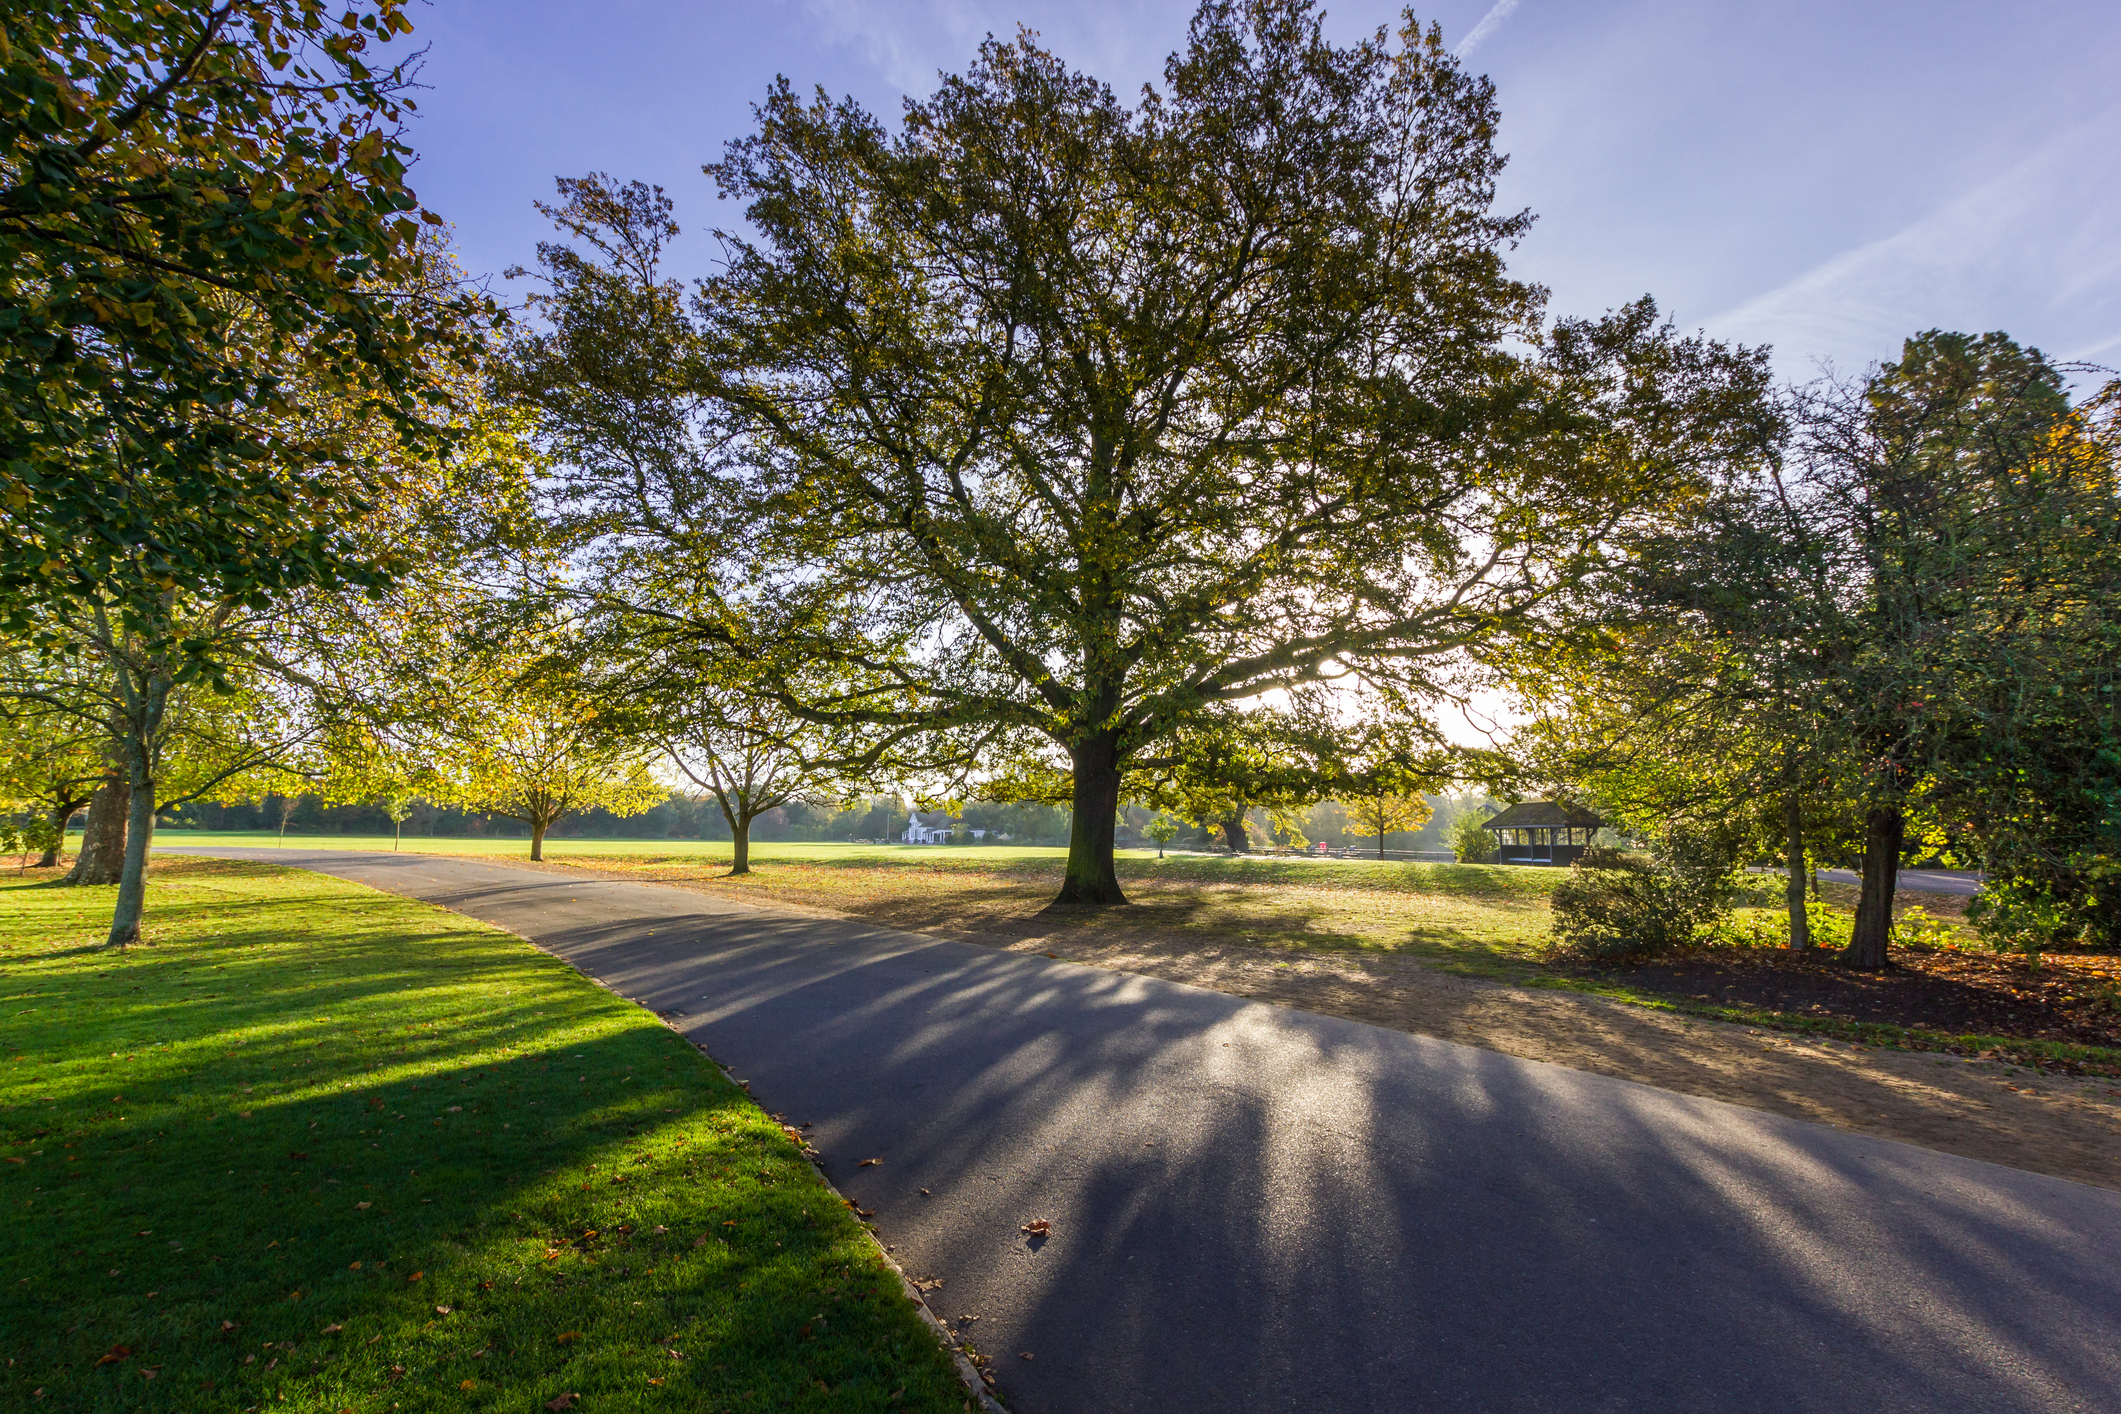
pixel 51 763
pixel 536 755
pixel 1379 812
pixel 1161 829
pixel 751 756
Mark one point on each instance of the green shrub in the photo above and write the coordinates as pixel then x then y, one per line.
pixel 1470 841
pixel 2022 916
pixel 1617 904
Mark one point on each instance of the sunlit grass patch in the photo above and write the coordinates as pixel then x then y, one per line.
pixel 319 1148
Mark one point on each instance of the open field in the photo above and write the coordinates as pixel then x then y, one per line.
pixel 705 851
pixel 317 1148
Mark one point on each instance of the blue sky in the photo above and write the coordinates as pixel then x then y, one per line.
pixel 1823 177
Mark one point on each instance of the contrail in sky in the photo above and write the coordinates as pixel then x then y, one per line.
pixel 1497 13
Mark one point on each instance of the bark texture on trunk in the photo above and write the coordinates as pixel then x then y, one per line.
pixel 740 847
pixel 132 885
pixel 1091 878
pixel 102 857
pixel 1793 888
pixel 1233 828
pixel 537 840
pixel 62 816
pixel 1884 830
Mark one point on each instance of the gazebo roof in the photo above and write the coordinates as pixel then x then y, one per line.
pixel 1545 815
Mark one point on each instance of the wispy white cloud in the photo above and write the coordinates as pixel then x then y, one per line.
pixel 2034 251
pixel 1489 23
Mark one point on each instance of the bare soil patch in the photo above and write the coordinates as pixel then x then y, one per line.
pixel 1950 990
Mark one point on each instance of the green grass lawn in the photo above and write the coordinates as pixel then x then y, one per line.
pixel 171 841
pixel 318 1148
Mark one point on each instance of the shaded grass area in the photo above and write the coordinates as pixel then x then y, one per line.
pixel 320 1148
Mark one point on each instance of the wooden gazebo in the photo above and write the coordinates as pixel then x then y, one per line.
pixel 1543 832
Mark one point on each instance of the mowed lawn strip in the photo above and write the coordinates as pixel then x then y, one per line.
pixel 321 1148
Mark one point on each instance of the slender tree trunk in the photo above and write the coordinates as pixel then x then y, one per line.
pixel 1233 828
pixel 740 845
pixel 397 833
pixel 132 886
pixel 102 857
pixel 1883 832
pixel 537 839
pixel 1091 878
pixel 1793 887
pixel 62 816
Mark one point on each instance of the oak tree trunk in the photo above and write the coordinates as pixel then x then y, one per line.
pixel 1091 877
pixel 102 857
pixel 537 839
pixel 1233 827
pixel 1884 830
pixel 1793 886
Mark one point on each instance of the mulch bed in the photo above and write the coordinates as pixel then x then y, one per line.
pixel 2071 998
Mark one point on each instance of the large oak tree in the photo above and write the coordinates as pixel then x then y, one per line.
pixel 1114 415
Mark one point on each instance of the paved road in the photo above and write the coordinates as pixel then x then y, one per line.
pixel 1260 1209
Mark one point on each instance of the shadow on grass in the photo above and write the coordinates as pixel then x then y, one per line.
pixel 300 1152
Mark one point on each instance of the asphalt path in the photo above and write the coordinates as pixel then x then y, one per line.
pixel 1255 1208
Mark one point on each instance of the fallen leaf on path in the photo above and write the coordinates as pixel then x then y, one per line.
pixel 869 1163
pixel 1038 1227
pixel 1023 1355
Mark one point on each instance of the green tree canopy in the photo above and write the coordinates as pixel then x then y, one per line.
pixel 1073 421
pixel 200 205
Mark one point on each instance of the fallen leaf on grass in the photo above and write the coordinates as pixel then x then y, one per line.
pixel 359 1206
pixel 416 1276
pixel 228 1325
pixel 1038 1227
pixel 564 1401
pixel 114 1354
pixel 333 1329
pixel 568 1338
pixel 469 1384
pixel 150 1372
pixel 441 1310
pixel 655 1379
